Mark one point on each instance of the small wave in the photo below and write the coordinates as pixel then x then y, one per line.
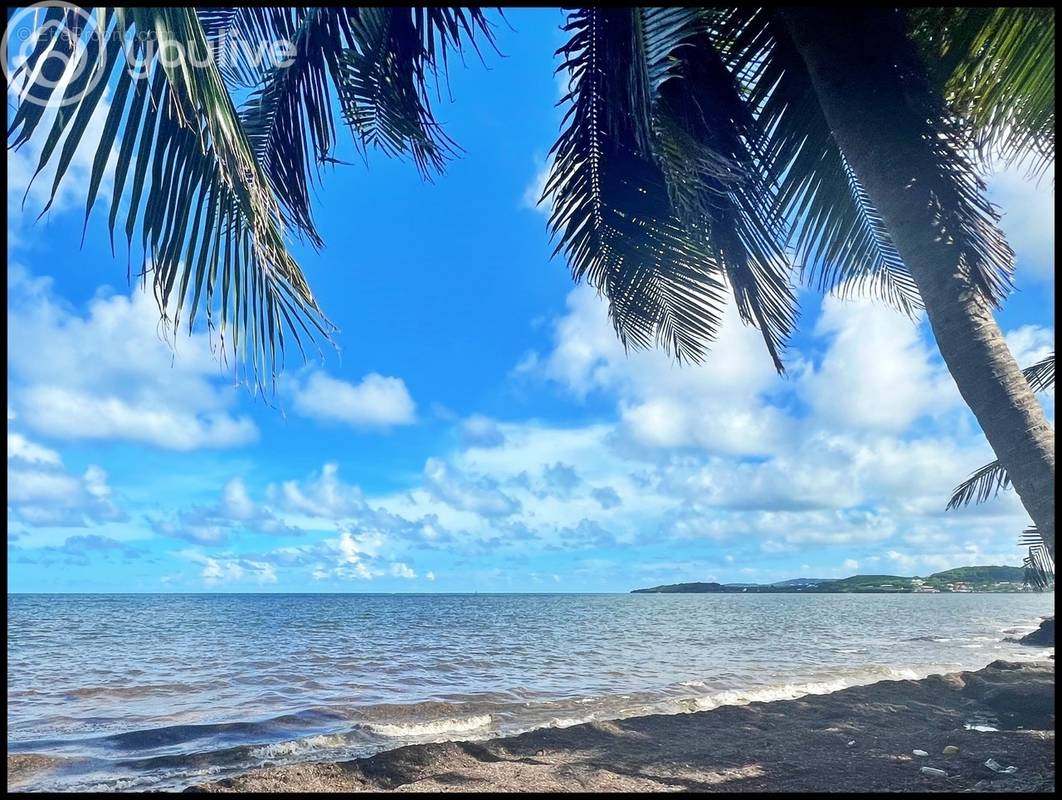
pixel 567 722
pixel 792 691
pixel 767 694
pixel 431 727
pixel 297 747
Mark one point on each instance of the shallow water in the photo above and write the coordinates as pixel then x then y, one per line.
pixel 161 691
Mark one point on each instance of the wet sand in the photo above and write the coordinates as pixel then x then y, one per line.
pixel 855 740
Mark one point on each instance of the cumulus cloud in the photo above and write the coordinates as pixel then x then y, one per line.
pixel 376 402
pixel 478 495
pixel 481 431
pixel 57 498
pixel 111 373
pixel 19 448
pixel 1028 209
pixel 322 494
pixel 875 353
pixel 41 492
pixel 715 406
pixel 235 511
pixel 225 570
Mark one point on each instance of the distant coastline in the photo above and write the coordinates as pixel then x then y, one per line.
pixel 958 580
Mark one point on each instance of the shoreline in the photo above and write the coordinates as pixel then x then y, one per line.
pixel 855 739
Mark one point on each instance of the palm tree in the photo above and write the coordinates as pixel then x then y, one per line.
pixel 214 158
pixel 701 148
pixel 700 145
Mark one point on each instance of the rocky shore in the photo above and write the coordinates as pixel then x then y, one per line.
pixel 1044 636
pixel 990 730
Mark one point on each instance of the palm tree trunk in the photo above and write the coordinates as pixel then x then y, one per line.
pixel 850 59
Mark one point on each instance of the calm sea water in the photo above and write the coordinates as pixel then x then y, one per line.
pixel 161 691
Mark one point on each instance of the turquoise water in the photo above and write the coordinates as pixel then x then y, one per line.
pixel 161 691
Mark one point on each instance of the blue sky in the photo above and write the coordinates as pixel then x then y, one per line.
pixel 480 427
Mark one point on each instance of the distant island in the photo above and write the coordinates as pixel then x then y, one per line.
pixel 961 579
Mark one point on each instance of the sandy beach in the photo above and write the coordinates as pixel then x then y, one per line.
pixel 860 739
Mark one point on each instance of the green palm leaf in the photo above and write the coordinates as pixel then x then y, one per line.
pixel 654 186
pixel 611 210
pixel 996 67
pixel 210 226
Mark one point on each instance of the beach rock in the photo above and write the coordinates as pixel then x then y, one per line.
pixel 1044 636
pixel 1019 694
pixel 951 750
pixel 920 753
pixel 933 772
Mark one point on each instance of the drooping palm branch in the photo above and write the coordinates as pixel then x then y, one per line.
pixel 656 199
pixel 839 240
pixel 736 165
pixel 992 478
pixel 1039 566
pixel 213 158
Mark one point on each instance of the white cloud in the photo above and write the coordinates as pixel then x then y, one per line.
pixel 478 495
pixel 48 495
pixel 481 431
pixel 400 570
pixel 214 524
pixel 878 372
pixel 324 495
pixel 19 448
pixel 1028 209
pixel 1030 343
pixel 225 570
pixel 534 189
pixel 715 405
pixel 376 402
pixel 110 375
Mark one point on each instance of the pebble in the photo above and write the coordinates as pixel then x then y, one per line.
pixel 951 750
pixel 920 753
pixel 934 772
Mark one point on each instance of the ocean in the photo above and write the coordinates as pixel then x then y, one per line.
pixel 163 691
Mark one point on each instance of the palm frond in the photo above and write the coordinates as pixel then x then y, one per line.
pixel 996 68
pixel 1041 375
pixel 383 76
pixel 982 485
pixel 1039 566
pixel 288 115
pixel 992 478
pixel 840 241
pixel 705 143
pixel 612 213
pixel 962 214
pixel 211 229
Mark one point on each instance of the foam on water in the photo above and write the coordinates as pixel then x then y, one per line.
pixel 439 727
